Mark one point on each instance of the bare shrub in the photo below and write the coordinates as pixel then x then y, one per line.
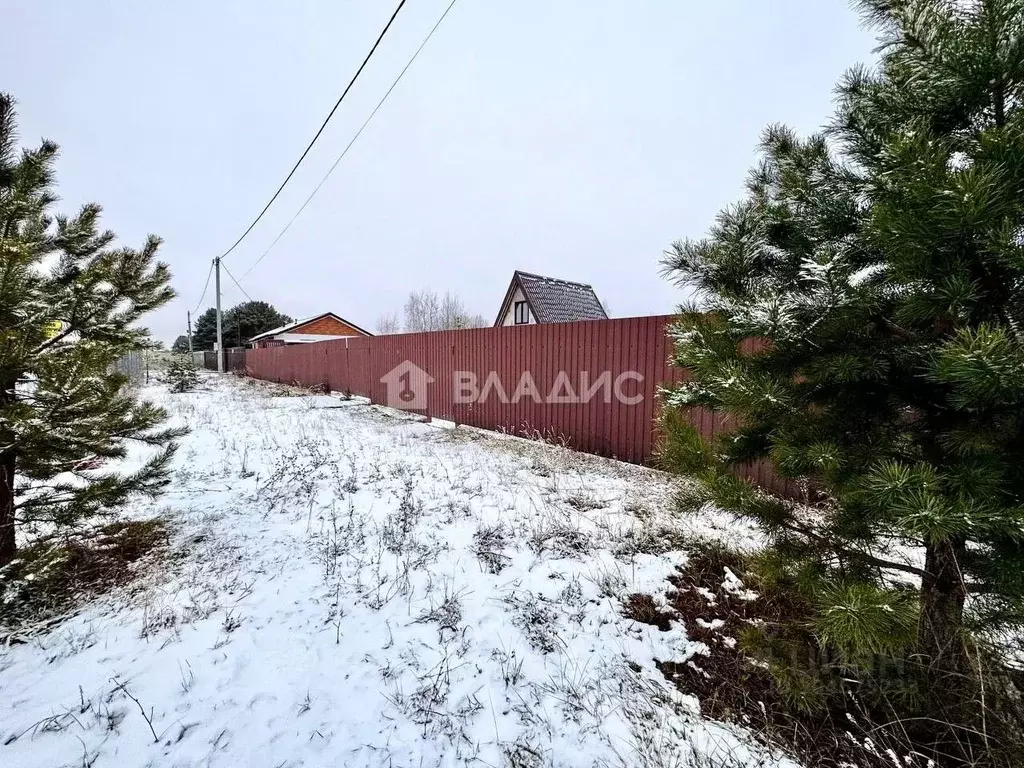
pixel 399 525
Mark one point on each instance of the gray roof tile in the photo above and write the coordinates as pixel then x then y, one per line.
pixel 559 301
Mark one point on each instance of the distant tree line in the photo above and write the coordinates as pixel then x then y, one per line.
pixel 238 325
pixel 426 311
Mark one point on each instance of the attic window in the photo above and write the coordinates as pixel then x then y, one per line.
pixel 522 311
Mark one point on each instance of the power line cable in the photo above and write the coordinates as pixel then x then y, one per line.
pixel 207 285
pixel 353 141
pixel 322 127
pixel 236 282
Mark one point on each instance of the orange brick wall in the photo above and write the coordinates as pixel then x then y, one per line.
pixel 327 326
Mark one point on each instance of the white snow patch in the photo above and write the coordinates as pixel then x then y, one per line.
pixel 361 589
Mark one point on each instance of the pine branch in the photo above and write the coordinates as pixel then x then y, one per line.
pixel 853 554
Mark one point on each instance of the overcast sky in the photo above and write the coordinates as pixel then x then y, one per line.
pixel 573 138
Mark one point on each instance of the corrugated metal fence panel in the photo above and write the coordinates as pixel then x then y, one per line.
pixel 615 369
pixel 131 365
pixel 524 374
pixel 234 360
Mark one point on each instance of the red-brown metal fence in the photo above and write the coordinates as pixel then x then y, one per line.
pixel 619 363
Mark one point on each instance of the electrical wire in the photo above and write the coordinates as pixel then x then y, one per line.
pixel 322 127
pixel 236 282
pixel 353 141
pixel 207 285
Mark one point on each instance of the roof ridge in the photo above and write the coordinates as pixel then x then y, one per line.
pixel 521 273
pixel 553 300
pixel 303 321
pixel 292 324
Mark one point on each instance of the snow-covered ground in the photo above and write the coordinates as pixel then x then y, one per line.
pixel 357 588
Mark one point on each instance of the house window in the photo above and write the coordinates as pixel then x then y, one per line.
pixel 522 313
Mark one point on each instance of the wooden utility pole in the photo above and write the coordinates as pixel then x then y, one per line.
pixel 220 335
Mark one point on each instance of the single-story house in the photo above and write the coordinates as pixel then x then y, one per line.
pixel 311 329
pixel 534 299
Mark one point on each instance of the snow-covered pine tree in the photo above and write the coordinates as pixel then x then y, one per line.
pixel 69 302
pixel 882 263
pixel 182 375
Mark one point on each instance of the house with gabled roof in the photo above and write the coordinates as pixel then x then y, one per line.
pixel 308 330
pixel 532 299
